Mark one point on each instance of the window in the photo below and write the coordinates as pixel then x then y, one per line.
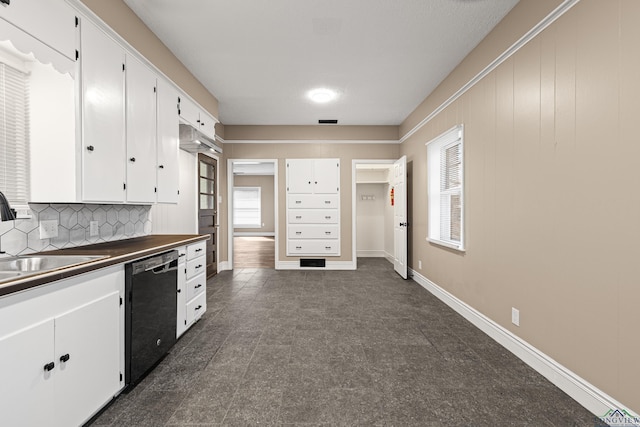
pixel 246 207
pixel 445 175
pixel 14 135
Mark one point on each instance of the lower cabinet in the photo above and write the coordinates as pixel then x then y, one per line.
pixel 61 348
pixel 192 285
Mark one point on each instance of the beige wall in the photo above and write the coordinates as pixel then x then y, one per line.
pixel 552 207
pixel 266 194
pixel 345 152
pixel 123 21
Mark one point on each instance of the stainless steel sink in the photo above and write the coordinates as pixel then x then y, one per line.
pixel 14 267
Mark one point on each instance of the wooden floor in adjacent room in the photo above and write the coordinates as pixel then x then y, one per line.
pixel 253 252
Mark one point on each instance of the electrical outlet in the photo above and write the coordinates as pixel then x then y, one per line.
pixel 515 316
pixel 419 265
pixel 93 228
pixel 48 229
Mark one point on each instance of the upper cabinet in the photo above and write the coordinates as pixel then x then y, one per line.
pixel 168 178
pixel 196 117
pixel 52 22
pixel 103 116
pixel 313 176
pixel 141 132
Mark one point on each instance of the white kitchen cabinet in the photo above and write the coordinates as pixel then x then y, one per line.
pixel 61 349
pixel 103 116
pixel 168 178
pixel 313 207
pixel 50 21
pixel 313 176
pixel 141 132
pixel 192 285
pixel 192 114
pixel 181 320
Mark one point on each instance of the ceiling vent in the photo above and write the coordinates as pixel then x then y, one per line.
pixel 328 122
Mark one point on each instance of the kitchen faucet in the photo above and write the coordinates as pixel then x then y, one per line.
pixel 6 213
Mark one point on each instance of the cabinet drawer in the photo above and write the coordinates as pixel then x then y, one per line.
pixel 196 286
pixel 196 250
pixel 196 308
pixel 195 267
pixel 313 247
pixel 316 216
pixel 313 201
pixel 314 232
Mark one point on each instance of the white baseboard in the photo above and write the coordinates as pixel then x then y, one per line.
pixel 253 234
pixel 585 393
pixel 330 265
pixel 222 266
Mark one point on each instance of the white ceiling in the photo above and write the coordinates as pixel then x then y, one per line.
pixel 260 57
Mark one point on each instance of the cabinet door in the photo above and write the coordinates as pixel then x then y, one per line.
pixel 189 112
pixel 326 176
pixel 168 140
pixel 207 125
pixel 141 132
pixel 300 176
pixel 90 337
pixel 103 127
pixel 26 389
pixel 50 21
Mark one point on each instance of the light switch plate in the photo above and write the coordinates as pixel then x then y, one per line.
pixel 93 228
pixel 48 229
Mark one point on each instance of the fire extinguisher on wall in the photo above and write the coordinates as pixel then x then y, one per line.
pixel 392 199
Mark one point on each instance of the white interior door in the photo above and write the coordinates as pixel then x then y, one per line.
pixel 400 216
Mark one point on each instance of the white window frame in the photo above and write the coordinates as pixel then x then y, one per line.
pixel 243 188
pixel 435 149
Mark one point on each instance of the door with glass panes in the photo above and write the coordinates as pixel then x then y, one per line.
pixel 208 208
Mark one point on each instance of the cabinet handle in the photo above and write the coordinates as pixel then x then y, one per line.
pixel 298 217
pixel 309 182
pixel 298 233
pixel 327 217
pixel 198 308
pixel 7 2
pixel 49 366
pixel 327 202
pixel 327 247
pixel 199 249
pixel 90 148
pixel 315 182
pixel 327 232
pixel 64 358
pixel 161 167
pixel 199 266
pixel 132 159
pixel 298 247
pixel 197 286
pixel 179 290
pixel 181 255
pixel 298 201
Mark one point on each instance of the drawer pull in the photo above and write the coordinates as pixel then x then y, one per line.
pixel 298 217
pixel 327 202
pixel 49 366
pixel 181 255
pixel 327 247
pixel 197 286
pixel 298 247
pixel 198 266
pixel 298 233
pixel 327 233
pixel 198 308
pixel 327 217
pixel 298 201
pixel 199 250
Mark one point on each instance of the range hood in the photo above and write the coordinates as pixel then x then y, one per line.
pixel 194 141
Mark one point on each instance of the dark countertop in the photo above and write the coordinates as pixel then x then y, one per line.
pixel 116 252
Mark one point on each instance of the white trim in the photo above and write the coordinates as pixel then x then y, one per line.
pixel 529 35
pixel 222 266
pixel 330 265
pixel 379 253
pixel 310 141
pixel 230 231
pixel 254 233
pixel 585 393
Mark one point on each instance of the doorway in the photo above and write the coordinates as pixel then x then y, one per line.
pixel 253 219
pixel 207 209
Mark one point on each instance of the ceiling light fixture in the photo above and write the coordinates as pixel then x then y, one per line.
pixel 322 95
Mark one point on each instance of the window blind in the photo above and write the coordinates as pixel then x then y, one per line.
pixel 247 207
pixel 14 135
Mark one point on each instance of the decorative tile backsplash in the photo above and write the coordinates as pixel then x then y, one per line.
pixel 115 222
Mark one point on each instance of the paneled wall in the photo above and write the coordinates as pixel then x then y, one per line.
pixel 551 176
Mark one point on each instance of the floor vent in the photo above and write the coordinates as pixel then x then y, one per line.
pixel 313 262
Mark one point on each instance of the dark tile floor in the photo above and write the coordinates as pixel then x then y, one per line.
pixel 338 348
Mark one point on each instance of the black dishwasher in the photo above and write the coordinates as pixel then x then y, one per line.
pixel 150 313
